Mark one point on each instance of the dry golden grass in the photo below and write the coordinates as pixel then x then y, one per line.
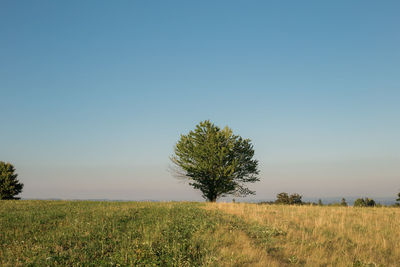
pixel 237 249
pixel 324 236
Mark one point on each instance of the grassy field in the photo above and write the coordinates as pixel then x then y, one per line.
pixel 81 233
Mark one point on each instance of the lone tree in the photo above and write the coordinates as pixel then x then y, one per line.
pixel 9 185
pixel 216 161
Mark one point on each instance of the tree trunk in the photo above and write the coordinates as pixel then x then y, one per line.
pixel 212 199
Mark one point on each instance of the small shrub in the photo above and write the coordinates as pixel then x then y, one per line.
pixel 370 202
pixel 360 202
pixel 293 199
pixel 367 202
pixel 282 198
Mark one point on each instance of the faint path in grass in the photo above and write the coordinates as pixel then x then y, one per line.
pixel 82 233
pixel 60 233
pixel 320 236
pixel 259 237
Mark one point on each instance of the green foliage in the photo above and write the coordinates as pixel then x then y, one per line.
pixel 398 197
pixel 295 199
pixel 216 161
pixel 360 263
pixel 86 233
pixel 343 203
pixel 370 202
pixel 367 202
pixel 360 202
pixel 9 185
pixel 320 202
pixel 284 198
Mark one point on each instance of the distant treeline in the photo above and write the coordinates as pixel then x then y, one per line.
pixel 296 199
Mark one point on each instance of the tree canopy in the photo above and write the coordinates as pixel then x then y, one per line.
pixel 9 185
pixel 367 202
pixel 216 162
pixel 285 198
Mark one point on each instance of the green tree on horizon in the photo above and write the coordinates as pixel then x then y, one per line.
pixel 215 161
pixel 295 199
pixel 9 185
pixel 286 199
pixel 282 198
pixel 367 202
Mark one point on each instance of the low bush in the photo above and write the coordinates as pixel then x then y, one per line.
pixel 367 202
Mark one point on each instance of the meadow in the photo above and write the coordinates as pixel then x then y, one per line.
pixel 86 233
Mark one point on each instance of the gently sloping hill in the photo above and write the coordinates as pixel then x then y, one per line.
pixel 122 234
pixel 326 236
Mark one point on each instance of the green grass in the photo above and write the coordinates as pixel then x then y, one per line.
pixel 103 233
pixel 111 234
pixel 85 233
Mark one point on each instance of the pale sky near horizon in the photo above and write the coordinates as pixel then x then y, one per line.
pixel 94 94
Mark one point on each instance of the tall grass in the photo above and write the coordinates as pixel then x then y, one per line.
pixel 118 234
pixel 84 233
pixel 327 236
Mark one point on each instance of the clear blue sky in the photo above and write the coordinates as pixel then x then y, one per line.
pixel 94 94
